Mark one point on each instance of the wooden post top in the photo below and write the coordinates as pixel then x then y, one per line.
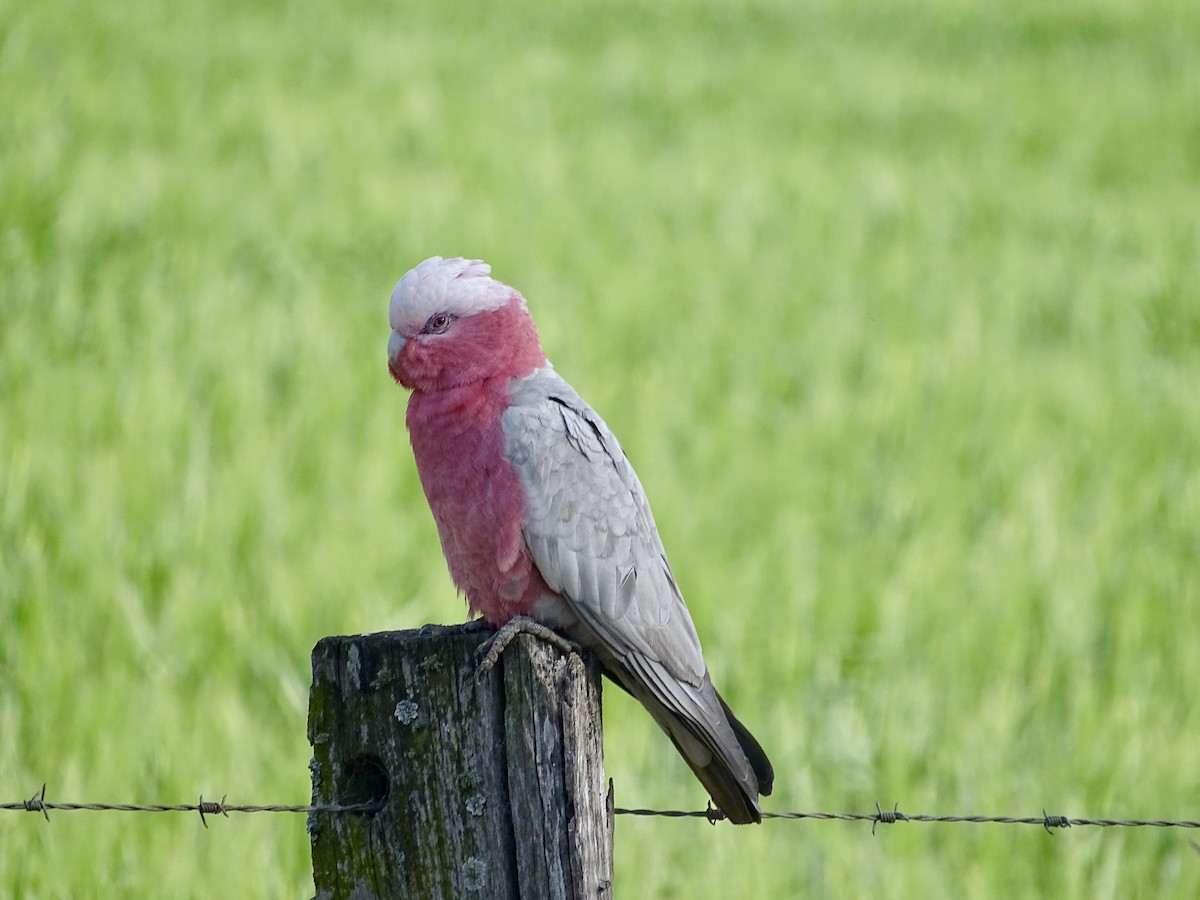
pixel 491 789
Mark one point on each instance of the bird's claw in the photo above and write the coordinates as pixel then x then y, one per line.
pixel 491 649
pixel 476 625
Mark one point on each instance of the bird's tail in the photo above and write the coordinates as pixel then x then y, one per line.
pixel 733 779
pixel 755 754
pixel 719 749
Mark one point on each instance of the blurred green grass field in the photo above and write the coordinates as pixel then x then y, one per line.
pixel 894 306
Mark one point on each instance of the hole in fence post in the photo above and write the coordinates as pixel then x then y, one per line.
pixel 365 781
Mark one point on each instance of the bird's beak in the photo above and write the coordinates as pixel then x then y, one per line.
pixel 395 346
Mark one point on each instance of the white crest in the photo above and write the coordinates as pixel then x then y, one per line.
pixel 461 287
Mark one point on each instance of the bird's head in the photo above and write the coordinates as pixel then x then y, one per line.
pixel 454 325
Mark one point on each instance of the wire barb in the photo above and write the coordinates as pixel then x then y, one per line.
pixel 211 809
pixel 1050 821
pixel 37 803
pixel 888 818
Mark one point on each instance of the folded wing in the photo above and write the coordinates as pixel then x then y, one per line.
pixel 589 529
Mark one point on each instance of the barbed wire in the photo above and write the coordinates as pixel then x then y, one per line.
pixel 38 803
pixel 893 816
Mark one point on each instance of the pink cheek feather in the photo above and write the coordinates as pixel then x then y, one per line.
pixel 396 376
pixel 500 343
pixel 417 366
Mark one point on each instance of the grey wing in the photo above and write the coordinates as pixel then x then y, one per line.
pixel 589 530
pixel 589 527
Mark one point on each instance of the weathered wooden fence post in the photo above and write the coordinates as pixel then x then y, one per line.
pixel 492 789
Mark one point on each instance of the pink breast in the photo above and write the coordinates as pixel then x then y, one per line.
pixel 476 498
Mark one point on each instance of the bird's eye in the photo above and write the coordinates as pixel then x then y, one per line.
pixel 438 323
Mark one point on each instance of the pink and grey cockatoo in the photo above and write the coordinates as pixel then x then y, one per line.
pixel 541 515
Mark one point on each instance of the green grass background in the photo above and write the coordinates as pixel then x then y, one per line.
pixel 894 306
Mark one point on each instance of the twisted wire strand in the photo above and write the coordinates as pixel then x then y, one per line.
pixel 894 816
pixel 205 808
pixel 38 803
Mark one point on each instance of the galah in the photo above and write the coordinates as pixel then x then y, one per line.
pixel 540 514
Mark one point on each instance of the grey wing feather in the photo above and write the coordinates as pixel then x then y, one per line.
pixel 590 531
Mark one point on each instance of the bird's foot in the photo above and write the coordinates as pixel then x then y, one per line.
pixel 491 649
